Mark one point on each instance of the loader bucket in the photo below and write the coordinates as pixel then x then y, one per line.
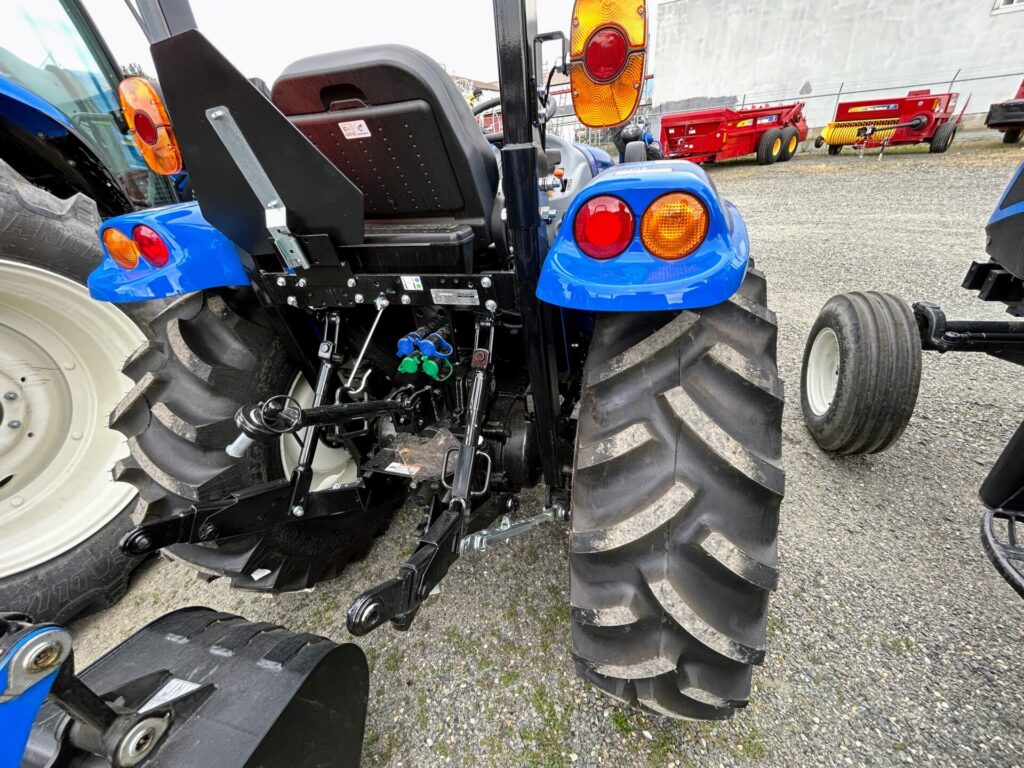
pixel 236 693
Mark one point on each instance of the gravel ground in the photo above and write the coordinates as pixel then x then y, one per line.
pixel 891 638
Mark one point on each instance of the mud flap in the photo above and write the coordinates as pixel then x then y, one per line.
pixel 239 693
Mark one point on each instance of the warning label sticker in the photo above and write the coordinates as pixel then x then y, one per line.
pixel 171 690
pixel 460 297
pixel 408 470
pixel 412 283
pixel 355 129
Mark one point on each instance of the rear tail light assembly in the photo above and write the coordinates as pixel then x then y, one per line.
pixel 671 228
pixel 607 50
pixel 145 242
pixel 149 124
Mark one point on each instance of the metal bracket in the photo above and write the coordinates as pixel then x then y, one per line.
pixel 276 215
pixel 506 529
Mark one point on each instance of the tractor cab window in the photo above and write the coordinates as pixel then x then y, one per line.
pixel 49 48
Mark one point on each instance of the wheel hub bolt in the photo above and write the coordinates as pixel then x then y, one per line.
pixel 14 424
pixel 10 395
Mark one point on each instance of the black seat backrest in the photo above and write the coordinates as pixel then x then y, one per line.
pixel 395 124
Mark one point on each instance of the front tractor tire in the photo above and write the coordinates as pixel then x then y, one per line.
pixel 675 509
pixel 206 361
pixel 861 373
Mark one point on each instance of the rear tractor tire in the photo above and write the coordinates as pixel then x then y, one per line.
pixel 769 147
pixel 205 362
pixel 61 352
pixel 861 373
pixel 675 508
pixel 790 143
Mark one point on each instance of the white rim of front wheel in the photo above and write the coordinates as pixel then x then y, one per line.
pixel 331 466
pixel 61 355
pixel 822 375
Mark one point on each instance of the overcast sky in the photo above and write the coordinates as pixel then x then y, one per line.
pixel 262 36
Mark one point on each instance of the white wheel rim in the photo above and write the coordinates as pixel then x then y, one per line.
pixel 822 376
pixel 331 466
pixel 61 355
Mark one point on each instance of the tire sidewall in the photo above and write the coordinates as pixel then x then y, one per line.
pixel 823 425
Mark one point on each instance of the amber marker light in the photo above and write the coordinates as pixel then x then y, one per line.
pixel 122 249
pixel 674 226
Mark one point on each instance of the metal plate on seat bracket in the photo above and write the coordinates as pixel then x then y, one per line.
pixel 276 215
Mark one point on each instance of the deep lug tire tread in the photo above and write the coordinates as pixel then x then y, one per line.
pixel 676 495
pixel 206 361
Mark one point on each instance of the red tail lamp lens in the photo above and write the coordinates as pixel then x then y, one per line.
pixel 604 226
pixel 145 128
pixel 151 246
pixel 605 53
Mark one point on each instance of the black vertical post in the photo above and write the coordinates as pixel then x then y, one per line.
pixel 515 27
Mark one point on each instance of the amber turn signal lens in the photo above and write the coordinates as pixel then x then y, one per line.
pixel 122 249
pixel 149 125
pixel 602 104
pixel 674 225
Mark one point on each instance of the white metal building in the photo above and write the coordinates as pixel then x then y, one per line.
pixel 722 52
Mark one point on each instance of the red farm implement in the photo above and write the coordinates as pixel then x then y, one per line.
pixel 920 116
pixel 1008 117
pixel 710 135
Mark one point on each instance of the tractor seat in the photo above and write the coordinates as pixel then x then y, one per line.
pixel 394 123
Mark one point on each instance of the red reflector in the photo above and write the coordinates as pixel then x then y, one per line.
pixel 151 246
pixel 603 227
pixel 145 128
pixel 605 53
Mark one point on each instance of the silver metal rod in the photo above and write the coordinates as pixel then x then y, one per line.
pixel 382 304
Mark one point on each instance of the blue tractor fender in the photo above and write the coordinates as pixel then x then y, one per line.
pixel 200 258
pixel 636 280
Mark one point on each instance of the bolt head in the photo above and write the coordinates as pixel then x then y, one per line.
pixel 292 301
pixel 281 282
pixel 358 298
pixel 405 299
pixel 491 305
pixel 45 658
pixel 10 395
pixel 14 424
pixel 485 282
pixel 298 511
pixel 351 282
pixel 302 282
